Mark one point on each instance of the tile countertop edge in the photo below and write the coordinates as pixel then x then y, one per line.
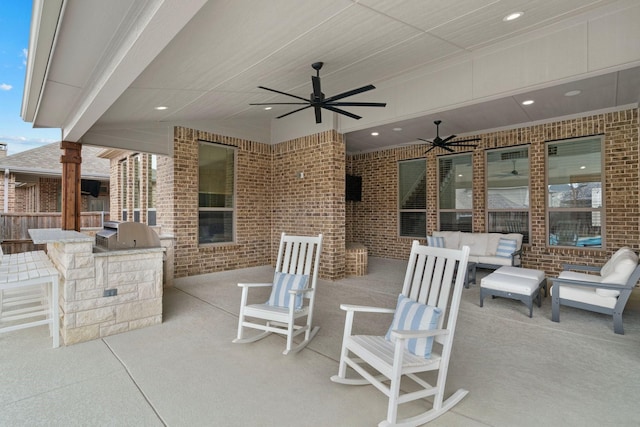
pixel 56 235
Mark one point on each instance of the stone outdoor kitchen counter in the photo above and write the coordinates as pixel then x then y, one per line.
pixel 103 293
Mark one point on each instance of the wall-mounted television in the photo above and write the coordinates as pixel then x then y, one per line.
pixel 353 188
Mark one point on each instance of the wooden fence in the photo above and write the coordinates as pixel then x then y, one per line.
pixel 14 227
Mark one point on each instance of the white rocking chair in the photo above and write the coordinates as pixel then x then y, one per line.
pixel 297 264
pixel 435 277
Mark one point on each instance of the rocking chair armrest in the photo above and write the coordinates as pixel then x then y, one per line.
pixel 578 267
pixel 300 291
pixel 366 309
pixel 411 334
pixel 254 285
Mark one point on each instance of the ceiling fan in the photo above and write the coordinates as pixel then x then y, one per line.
pixel 446 143
pixel 318 101
pixel 513 172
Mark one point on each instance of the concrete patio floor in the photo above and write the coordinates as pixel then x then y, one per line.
pixel 186 372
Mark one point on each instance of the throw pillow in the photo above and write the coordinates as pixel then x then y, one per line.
pixel 436 242
pixel 414 316
pixel 505 248
pixel 282 284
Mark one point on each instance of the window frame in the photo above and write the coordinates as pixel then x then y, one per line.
pixel 124 188
pixel 233 209
pixel 601 210
pixel 489 210
pixel 440 210
pixel 400 211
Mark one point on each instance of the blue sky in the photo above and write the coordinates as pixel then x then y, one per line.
pixel 15 20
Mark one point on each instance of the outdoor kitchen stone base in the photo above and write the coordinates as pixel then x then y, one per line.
pixel 103 293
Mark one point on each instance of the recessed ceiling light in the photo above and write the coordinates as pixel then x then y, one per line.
pixel 573 93
pixel 583 167
pixel 512 16
pixel 268 108
pixel 527 102
pixel 397 129
pixel 459 175
pixel 374 134
pixel 161 107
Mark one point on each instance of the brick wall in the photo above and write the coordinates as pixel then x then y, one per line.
pixel 178 207
pixel 373 221
pixel 314 203
pixel 49 190
pixel 271 198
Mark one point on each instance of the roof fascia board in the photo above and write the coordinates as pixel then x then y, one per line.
pixel 156 27
pixel 45 19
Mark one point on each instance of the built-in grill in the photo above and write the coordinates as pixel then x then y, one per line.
pixel 126 235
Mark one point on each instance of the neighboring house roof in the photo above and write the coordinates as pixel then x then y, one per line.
pixel 45 161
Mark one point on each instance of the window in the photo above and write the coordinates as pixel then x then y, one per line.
pixel 216 193
pixel 455 193
pixel 508 191
pixel 412 198
pixel 575 192
pixel 152 170
pixel 137 169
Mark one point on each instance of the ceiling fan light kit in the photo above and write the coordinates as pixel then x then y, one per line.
pixel 447 142
pixel 318 101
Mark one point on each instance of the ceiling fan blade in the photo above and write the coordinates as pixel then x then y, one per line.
pixel 357 104
pixel 280 103
pixel 283 93
pixel 350 93
pixel 447 148
pixel 426 140
pixel 467 140
pixel 315 82
pixel 455 144
pixel 318 112
pixel 294 111
pixel 430 148
pixel 445 140
pixel 339 111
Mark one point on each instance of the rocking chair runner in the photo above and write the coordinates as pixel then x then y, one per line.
pixel 433 281
pixel 292 295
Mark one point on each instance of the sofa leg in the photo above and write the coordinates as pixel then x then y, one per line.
pixel 555 308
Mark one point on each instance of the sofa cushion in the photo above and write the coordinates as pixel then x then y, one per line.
pixel 574 275
pixel 477 242
pixel 584 295
pixel 506 247
pixel 436 242
pixel 492 260
pixel 608 267
pixel 622 268
pixel 451 238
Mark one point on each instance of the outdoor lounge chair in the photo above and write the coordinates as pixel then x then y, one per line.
pixel 292 294
pixel 605 292
pixel 420 320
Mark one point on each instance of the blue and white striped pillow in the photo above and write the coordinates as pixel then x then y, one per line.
pixel 414 316
pixel 282 284
pixel 506 247
pixel 436 242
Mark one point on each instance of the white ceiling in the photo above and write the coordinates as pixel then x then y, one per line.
pixel 206 65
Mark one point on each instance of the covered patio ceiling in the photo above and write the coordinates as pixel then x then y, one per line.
pixel 98 70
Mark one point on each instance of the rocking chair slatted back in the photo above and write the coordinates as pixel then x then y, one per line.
pixel 296 256
pixel 431 278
